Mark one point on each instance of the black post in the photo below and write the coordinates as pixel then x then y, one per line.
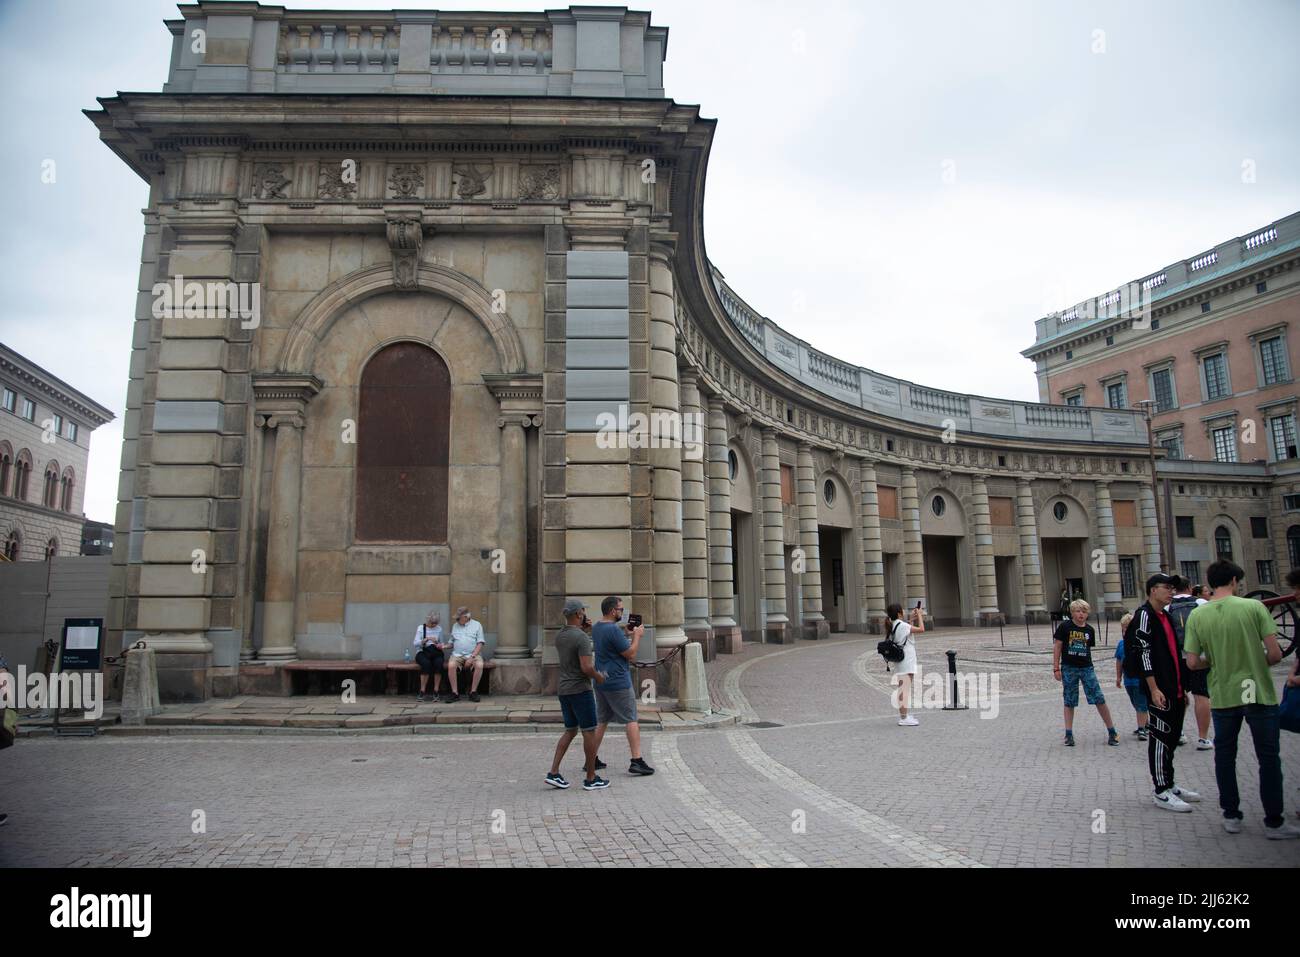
pixel 1028 643
pixel 956 704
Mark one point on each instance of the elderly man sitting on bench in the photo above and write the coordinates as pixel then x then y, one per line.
pixel 466 652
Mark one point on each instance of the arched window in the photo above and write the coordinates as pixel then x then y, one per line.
pixel 1293 545
pixel 50 490
pixel 68 486
pixel 403 438
pixel 22 475
pixel 13 545
pixel 51 549
pixel 6 467
pixel 1223 544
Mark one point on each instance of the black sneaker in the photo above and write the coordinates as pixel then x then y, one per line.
pixel 420 696
pixel 451 698
pixel 600 765
pixel 595 784
pixel 3 819
pixel 1069 739
pixel 556 781
pixel 638 766
pixel 473 696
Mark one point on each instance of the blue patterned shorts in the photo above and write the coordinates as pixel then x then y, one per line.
pixel 1070 678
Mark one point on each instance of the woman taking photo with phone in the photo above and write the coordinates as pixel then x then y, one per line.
pixel 900 633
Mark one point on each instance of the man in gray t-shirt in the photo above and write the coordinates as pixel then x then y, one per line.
pixel 577 701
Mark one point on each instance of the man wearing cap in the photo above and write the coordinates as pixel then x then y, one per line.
pixel 1151 653
pixel 577 700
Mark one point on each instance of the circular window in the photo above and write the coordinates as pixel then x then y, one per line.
pixel 733 465
pixel 1060 510
pixel 938 506
pixel 828 492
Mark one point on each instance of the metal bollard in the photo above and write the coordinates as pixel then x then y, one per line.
pixel 956 704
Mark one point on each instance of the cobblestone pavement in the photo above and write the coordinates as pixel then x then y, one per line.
pixel 828 779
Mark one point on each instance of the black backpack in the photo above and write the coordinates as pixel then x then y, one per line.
pixel 889 649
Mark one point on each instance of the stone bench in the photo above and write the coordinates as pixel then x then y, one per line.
pixel 397 668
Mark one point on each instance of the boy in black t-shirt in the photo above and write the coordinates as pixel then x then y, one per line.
pixel 1072 665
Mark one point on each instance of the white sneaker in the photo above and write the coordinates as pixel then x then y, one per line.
pixel 1282 833
pixel 908 722
pixel 1182 739
pixel 1232 825
pixel 1204 744
pixel 1191 797
pixel 1171 802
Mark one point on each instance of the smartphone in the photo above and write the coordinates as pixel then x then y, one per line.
pixel 918 604
pixel 634 620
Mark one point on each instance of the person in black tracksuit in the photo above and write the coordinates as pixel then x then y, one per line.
pixel 1151 653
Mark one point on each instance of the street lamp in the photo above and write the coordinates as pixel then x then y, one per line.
pixel 1146 406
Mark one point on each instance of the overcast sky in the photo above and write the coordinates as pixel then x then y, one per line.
pixel 906 185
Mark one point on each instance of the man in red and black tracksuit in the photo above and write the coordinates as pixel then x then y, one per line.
pixel 1151 653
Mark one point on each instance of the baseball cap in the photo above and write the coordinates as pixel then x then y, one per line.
pixel 1160 578
pixel 572 606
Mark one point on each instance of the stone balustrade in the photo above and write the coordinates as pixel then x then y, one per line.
pixel 921 405
pixel 239 47
pixel 1138 297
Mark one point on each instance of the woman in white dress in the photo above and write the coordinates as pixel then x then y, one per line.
pixel 901 633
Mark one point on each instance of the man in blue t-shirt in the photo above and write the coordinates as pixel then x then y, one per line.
pixel 616 648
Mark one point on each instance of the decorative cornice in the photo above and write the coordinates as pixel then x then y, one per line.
pixel 21 368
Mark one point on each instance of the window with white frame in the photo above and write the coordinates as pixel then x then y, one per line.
pixel 1074 398
pixel 1225 443
pixel 1172 443
pixel 1215 370
pixel 29 409
pixel 58 424
pixel 1162 389
pixel 10 400
pixel 1273 364
pixel 71 431
pixel 1281 431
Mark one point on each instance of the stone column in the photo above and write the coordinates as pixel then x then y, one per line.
pixel 815 624
pixel 778 628
pixel 282 539
pixel 665 458
pixel 913 557
pixel 512 602
pixel 695 520
pixel 1031 564
pixel 1150 531
pixel 986 576
pixel 723 599
pixel 873 559
pixel 1113 600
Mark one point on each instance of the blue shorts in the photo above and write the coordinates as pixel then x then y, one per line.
pixel 1138 695
pixel 579 711
pixel 1071 676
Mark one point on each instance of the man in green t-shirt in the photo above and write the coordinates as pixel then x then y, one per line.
pixel 1237 639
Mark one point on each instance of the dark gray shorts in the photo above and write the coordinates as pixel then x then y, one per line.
pixel 615 707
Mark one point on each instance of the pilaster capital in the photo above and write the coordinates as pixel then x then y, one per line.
pixel 522 421
pixel 275 420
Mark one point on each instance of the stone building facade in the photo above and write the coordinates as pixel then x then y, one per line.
pixel 1208 345
pixel 45 427
pixel 481 357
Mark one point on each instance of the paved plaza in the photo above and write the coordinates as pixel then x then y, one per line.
pixel 817 772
